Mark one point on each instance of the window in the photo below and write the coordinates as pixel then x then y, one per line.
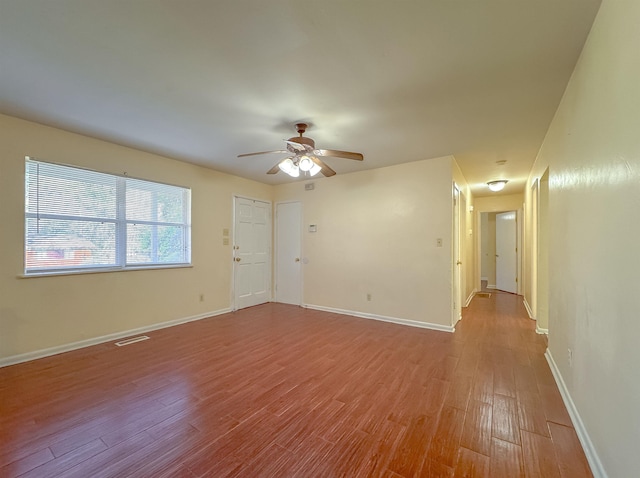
pixel 79 220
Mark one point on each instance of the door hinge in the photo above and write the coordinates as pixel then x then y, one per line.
pixel 516 279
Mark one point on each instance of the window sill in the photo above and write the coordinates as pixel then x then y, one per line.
pixel 102 271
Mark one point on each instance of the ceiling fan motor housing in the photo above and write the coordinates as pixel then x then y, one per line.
pixel 301 128
pixel 303 140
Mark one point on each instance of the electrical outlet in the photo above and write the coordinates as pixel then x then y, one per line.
pixel 368 297
pixel 439 242
pixel 570 357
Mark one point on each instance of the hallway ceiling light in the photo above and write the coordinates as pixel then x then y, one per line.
pixel 497 185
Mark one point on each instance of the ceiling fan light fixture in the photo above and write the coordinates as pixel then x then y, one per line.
pixel 305 163
pixel 315 169
pixel 295 172
pixel 289 167
pixel 497 185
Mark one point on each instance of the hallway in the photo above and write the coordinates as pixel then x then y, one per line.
pixel 514 398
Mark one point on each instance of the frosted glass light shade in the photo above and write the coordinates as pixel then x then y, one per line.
pixel 315 169
pixel 305 163
pixel 497 185
pixel 289 167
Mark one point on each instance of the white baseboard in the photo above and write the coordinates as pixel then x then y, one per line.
pixel 395 320
pixel 589 450
pixel 26 357
pixel 528 307
pixel 541 331
pixel 471 296
pixel 491 286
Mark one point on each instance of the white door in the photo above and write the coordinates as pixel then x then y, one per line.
pixel 506 254
pixel 251 247
pixel 288 248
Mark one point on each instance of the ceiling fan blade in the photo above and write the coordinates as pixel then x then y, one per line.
pixel 324 169
pixel 275 169
pixel 334 153
pixel 262 152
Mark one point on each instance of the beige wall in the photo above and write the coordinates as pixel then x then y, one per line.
pixel 592 151
pixel 44 312
pixel 508 202
pixel 376 234
pixel 488 250
pixel 484 245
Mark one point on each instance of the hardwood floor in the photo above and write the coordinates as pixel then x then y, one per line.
pixel 282 391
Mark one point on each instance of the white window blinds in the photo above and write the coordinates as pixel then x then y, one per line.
pixel 78 219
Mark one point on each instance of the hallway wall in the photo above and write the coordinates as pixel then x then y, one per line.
pixel 592 151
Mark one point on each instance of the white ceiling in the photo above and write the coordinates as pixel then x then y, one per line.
pixel 203 81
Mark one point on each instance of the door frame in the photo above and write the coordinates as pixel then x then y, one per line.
pixel 232 289
pixel 275 249
pixel 514 215
pixel 456 255
pixel 520 231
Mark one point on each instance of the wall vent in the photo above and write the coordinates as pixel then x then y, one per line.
pixel 132 340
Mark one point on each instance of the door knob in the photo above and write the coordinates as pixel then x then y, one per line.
pixel 458 263
pixel 297 259
pixel 237 259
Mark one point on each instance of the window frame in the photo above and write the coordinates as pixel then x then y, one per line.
pixel 120 223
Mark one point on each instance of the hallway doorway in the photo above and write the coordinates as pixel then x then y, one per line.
pixel 500 250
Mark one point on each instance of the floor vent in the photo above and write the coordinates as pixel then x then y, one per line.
pixel 483 295
pixel 132 340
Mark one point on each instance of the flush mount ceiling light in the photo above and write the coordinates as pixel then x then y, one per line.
pixel 497 185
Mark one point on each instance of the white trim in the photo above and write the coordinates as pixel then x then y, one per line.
pixel 383 318
pixel 491 286
pixel 528 307
pixel 541 331
pixel 73 272
pixel 26 357
pixel 589 450
pixel 470 298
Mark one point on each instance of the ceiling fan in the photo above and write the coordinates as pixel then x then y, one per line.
pixel 306 157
